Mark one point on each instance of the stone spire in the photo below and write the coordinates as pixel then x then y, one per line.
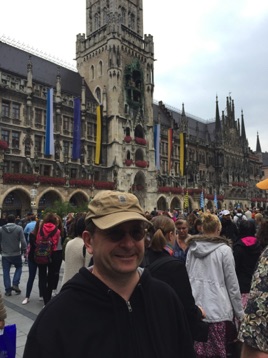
pixel 258 145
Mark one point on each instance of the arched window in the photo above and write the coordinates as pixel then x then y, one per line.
pixel 100 68
pixel 123 15
pixel 98 94
pixel 96 21
pixel 92 72
pixel 139 155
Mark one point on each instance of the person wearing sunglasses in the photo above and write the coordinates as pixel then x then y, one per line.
pixel 113 308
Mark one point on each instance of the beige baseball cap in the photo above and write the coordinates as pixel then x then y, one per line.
pixel 110 208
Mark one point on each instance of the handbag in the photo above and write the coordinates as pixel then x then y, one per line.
pixel 8 342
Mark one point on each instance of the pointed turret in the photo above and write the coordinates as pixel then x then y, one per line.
pixel 233 111
pixel 218 127
pixel 183 110
pixel 243 130
pixel 258 145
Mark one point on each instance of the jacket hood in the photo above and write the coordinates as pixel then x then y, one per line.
pixel 10 227
pixel 202 245
pixel 250 243
pixel 107 300
pixel 101 294
pixel 48 228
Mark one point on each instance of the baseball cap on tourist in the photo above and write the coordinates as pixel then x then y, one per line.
pixel 110 208
pixel 262 184
pixel 225 212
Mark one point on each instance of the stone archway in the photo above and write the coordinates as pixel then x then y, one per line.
pixel 139 187
pixel 47 200
pixel 175 204
pixel 78 199
pixel 162 204
pixel 16 202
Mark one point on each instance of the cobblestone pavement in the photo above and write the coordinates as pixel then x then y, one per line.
pixel 22 315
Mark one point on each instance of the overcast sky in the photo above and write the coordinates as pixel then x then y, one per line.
pixel 202 49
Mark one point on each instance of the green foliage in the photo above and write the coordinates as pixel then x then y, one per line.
pixel 63 208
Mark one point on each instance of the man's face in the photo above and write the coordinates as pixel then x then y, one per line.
pixel 227 217
pixel 182 230
pixel 117 251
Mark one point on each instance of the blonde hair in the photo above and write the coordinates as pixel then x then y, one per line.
pixel 162 226
pixel 211 223
pixel 258 218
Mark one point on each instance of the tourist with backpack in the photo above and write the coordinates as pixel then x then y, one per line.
pixel 239 217
pixel 46 243
pixel 32 265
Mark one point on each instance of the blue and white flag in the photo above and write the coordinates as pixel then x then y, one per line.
pixel 77 130
pixel 215 200
pixel 49 140
pixel 202 201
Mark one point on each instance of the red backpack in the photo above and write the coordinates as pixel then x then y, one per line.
pixel 43 248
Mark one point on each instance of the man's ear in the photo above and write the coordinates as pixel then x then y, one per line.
pixel 87 237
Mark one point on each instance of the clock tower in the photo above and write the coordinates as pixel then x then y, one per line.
pixel 117 62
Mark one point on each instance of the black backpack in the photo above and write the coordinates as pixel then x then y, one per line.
pixel 239 220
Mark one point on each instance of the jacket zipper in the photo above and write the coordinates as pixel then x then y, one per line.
pixel 129 306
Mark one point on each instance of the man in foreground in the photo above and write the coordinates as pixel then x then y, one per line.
pixel 114 308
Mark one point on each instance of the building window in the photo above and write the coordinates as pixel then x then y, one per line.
pixel 38 144
pixel 5 135
pixel 123 16
pixel 65 123
pixel 15 167
pixel 38 116
pixel 5 109
pixel 92 72
pixel 15 140
pixel 100 68
pixel 90 154
pixel 16 110
pixel 73 173
pixel 71 120
pixel 91 128
pixel 98 94
pixel 66 150
pixel 46 170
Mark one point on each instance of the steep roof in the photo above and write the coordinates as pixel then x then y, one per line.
pixel 15 60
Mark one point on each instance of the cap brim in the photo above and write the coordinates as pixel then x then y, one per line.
pixel 111 220
pixel 263 184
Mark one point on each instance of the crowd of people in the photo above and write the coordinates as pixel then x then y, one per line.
pixel 138 284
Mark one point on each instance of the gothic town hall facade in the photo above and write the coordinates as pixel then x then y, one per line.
pixel 126 140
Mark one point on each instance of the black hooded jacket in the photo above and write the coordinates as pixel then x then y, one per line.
pixel 170 270
pixel 246 254
pixel 87 319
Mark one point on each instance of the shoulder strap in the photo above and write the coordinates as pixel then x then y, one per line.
pixel 160 262
pixel 52 233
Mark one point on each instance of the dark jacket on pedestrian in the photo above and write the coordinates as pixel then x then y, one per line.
pixel 170 270
pixel 229 230
pixel 88 319
pixel 12 240
pixel 246 254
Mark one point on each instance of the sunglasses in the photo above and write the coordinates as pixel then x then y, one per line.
pixel 117 235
